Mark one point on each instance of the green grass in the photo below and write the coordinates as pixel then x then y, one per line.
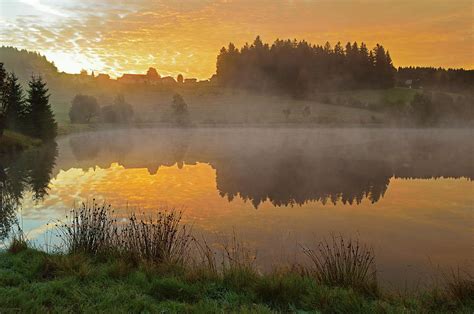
pixel 34 281
pixel 12 142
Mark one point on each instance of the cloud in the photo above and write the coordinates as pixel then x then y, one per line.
pixel 43 8
pixel 185 36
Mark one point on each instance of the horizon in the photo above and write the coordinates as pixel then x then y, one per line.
pixel 186 38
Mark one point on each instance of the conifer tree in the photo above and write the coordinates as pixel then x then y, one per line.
pixel 13 103
pixel 3 77
pixel 39 115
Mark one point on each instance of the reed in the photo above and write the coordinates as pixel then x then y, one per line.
pixel 228 256
pixel 18 241
pixel 162 238
pixel 459 285
pixel 90 229
pixel 159 238
pixel 94 229
pixel 343 263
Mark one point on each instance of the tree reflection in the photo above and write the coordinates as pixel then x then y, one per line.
pixel 295 180
pixel 290 169
pixel 29 171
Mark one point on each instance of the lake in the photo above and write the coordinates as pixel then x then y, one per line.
pixel 407 193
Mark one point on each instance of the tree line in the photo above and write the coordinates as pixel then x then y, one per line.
pixel 31 115
pixel 436 78
pixel 86 109
pixel 297 67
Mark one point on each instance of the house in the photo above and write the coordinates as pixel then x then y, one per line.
pixel 103 77
pixel 151 77
pixel 133 79
pixel 168 80
pixel 415 83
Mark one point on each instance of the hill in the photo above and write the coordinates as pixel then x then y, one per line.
pixel 26 63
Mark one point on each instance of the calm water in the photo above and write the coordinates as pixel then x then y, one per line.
pixel 407 193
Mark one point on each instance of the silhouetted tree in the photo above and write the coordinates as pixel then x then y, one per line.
pixel 297 67
pixel 180 78
pixel 39 115
pixel 83 109
pixel 437 78
pixel 3 77
pixel 14 104
pixel 153 74
pixel 384 72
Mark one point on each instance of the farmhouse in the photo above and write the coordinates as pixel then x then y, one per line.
pixel 151 77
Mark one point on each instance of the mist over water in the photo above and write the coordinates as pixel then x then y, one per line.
pixel 406 192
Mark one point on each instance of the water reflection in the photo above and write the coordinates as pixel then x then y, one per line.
pixel 30 171
pixel 286 167
pixel 358 182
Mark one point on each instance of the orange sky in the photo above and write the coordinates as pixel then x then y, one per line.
pixel 185 36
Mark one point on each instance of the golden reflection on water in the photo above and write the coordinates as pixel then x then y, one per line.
pixel 419 220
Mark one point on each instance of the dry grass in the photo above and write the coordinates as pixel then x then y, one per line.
pixel 226 257
pixel 459 285
pixel 160 238
pixel 91 229
pixel 343 263
pixel 18 241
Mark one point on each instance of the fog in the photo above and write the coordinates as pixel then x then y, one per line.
pixel 284 165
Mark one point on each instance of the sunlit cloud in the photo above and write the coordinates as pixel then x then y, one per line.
pixel 185 37
pixel 43 8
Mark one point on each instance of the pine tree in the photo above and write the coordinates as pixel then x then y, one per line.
pixel 14 104
pixel 39 116
pixel 3 76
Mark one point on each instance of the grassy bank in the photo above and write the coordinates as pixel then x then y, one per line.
pixel 12 142
pixel 154 264
pixel 33 281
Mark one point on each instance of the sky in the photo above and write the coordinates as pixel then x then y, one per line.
pixel 115 37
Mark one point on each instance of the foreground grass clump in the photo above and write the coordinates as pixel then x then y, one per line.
pixel 93 229
pixel 344 264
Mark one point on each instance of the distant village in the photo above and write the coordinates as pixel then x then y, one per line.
pixel 152 77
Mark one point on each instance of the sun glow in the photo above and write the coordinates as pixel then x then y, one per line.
pixel 176 38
